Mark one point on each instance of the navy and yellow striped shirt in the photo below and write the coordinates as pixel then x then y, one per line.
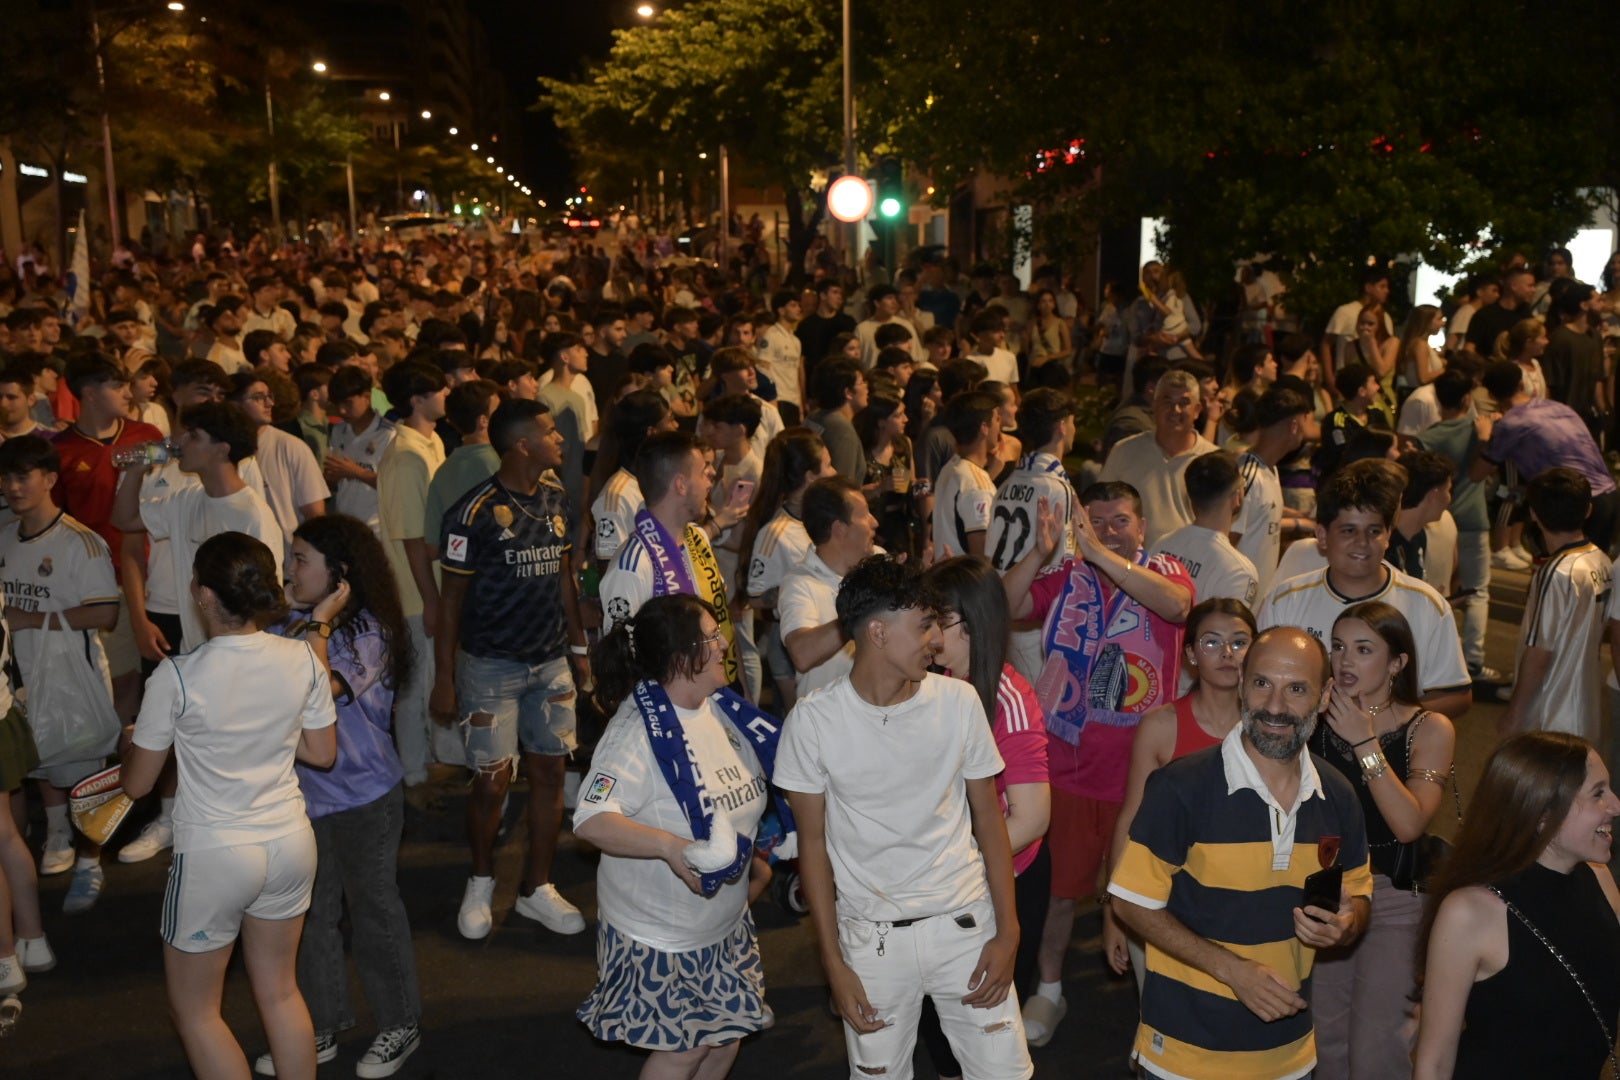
pixel 1207 846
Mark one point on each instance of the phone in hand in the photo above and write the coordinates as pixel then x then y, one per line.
pixel 742 493
pixel 1322 890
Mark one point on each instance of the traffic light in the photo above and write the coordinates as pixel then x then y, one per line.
pixel 889 185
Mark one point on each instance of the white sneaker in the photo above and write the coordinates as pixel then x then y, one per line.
pixel 157 836
pixel 1524 553
pixel 547 907
pixel 35 954
pixel 388 1053
pixel 1508 559
pixel 475 920
pixel 325 1050
pixel 12 979
pixel 58 856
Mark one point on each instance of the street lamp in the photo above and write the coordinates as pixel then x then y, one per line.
pixel 453 131
pixel 176 5
pixel 646 11
pixel 319 66
pixel 383 95
pixel 427 114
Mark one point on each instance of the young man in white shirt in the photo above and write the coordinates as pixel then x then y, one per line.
pixel 1204 547
pixel 1285 423
pixel 1341 328
pixel 781 356
pixel 1356 511
pixel 903 850
pixel 989 332
pixel 885 306
pixel 266 312
pixel 293 485
pixel 963 495
pixel 224 320
pixel 359 440
pixel 842 527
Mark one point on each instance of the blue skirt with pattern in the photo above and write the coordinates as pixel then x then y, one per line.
pixel 657 1000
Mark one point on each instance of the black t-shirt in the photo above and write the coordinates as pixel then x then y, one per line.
pixel 1573 364
pixel 1490 323
pixel 816 332
pixel 1407 555
pixel 512 547
pixel 603 371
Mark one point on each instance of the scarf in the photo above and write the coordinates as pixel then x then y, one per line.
pixel 1083 679
pixel 670 575
pixel 678 763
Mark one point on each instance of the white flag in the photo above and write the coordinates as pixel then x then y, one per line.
pixel 78 279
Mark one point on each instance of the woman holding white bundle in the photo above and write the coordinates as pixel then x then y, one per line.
pixel 676 790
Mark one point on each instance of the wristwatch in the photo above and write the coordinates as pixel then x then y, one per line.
pixel 322 628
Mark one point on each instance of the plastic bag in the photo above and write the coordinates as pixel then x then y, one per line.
pixel 67 698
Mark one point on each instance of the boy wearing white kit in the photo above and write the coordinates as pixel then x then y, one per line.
pixel 903 851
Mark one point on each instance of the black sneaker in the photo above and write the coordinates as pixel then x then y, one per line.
pixel 388 1052
pixel 325 1050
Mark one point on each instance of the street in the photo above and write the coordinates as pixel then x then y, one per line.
pixel 504 1007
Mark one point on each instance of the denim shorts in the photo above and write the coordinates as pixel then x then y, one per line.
pixel 532 706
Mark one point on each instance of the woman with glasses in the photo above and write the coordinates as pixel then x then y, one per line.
pixel 1218 635
pixel 1397 755
pixel 673 799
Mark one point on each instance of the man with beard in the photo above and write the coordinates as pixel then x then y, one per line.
pixel 1212 879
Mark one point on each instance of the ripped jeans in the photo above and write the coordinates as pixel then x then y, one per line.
pixel 529 706
pixel 935 957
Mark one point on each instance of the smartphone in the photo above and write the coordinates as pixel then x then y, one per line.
pixel 1461 594
pixel 1322 889
pixel 742 493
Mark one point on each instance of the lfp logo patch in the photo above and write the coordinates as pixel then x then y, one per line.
pixel 601 788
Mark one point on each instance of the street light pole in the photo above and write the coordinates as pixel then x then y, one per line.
pixel 275 191
pixel 852 233
pixel 348 173
pixel 106 132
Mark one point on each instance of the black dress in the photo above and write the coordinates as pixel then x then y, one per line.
pixel 1530 1019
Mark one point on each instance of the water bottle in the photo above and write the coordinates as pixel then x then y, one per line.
pixel 141 455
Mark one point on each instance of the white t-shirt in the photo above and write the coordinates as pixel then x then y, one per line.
pixel 779 547
pixel 770 426
pixel 1300 557
pixel 963 497
pixel 279 322
pixel 631 579
pixel 866 334
pixel 781 358
pixel 898 829
pixel 1343 322
pixel 581 386
pixel 229 357
pixel 809 598
pixel 1159 478
pixel 1218 569
pixel 1565 614
pixel 233 710
pixel 357 498
pixel 162 594
pixel 292 478
pixel 1013 514
pixel 186 516
pixel 65 566
pixel 642 898
pixel 1313 605
pixel 1420 412
pixel 1001 364
pixel 1259 523
pixel 615 510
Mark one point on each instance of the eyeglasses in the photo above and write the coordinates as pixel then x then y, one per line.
pixel 950 625
pixel 1214 644
pixel 716 638
pixel 259 397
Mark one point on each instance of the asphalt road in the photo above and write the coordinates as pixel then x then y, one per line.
pixel 504 1007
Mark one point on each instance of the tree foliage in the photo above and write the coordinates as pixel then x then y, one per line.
pixel 1322 134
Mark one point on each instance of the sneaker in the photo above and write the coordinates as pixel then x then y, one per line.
pixel 1524 553
pixel 388 1052
pixel 35 954
pixel 12 979
pixel 58 855
pixel 475 920
pixel 547 907
pixel 325 1050
pixel 1508 559
pixel 157 836
pixel 1487 674
pixel 86 888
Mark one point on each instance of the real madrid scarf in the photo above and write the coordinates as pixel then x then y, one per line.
pixel 678 763
pixel 1083 678
pixel 670 575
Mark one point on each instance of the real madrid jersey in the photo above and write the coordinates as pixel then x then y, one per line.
pixel 1259 523
pixel 615 511
pixel 1566 614
pixel 1013 514
pixel 65 566
pixel 962 499
pixel 511 546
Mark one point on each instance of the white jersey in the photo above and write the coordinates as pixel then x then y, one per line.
pixel 895 779
pixel 292 479
pixel 1219 570
pixel 357 498
pixel 1300 557
pixel 1565 615
pixel 1312 604
pixel 66 566
pixel 1013 514
pixel 1159 478
pixel 631 579
pixel 780 546
pixel 781 358
pixel 162 590
pixel 615 509
pixel 770 426
pixel 1259 523
pixel 640 898
pixel 963 496
pixel 809 599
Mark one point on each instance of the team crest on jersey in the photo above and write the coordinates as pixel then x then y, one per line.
pixel 503 517
pixel 559 525
pixel 45 567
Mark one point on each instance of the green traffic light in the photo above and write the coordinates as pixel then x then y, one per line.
pixel 889 207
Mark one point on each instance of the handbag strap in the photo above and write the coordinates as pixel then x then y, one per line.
pixel 1580 984
pixel 1411 732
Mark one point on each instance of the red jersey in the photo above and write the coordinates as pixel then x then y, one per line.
pixel 88 482
pixel 1021 739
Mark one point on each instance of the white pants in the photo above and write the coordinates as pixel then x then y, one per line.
pixel 934 957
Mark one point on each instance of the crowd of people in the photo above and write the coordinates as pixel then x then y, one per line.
pixel 825 574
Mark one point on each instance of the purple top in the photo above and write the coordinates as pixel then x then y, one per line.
pixel 367 766
pixel 1542 433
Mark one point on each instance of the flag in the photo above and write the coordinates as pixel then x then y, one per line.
pixel 78 279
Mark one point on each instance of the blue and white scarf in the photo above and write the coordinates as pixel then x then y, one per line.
pixel 678 763
pixel 1082 678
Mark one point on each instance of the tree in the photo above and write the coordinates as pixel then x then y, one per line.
pixel 1322 134
pixel 762 77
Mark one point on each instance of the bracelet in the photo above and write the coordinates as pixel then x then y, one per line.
pixel 1373 765
pixel 1364 742
pixel 580 650
pixel 322 628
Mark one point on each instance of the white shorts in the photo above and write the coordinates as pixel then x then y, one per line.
pixel 934 957
pixel 210 890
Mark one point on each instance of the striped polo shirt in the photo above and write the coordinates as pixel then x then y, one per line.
pixel 1211 846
